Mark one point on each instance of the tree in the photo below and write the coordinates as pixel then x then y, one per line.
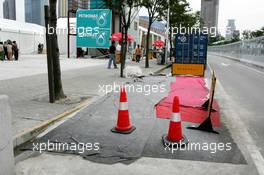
pixel 53 51
pixel 235 37
pixel 127 11
pixel 246 34
pixel 257 33
pixel 217 38
pixel 156 9
pixel 181 16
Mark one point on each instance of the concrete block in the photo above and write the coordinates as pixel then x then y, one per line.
pixel 6 141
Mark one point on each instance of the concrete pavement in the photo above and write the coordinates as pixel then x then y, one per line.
pixel 49 163
pixel 236 112
pixel 26 84
pixel 29 65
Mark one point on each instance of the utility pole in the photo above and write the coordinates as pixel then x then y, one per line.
pixel 167 33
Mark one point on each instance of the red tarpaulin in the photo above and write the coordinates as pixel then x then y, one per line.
pixel 192 92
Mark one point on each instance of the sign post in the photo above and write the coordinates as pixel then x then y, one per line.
pixel 94 28
pixel 206 125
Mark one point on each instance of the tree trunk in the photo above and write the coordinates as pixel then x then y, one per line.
pixel 58 90
pixel 122 65
pixel 125 45
pixel 123 50
pixel 147 46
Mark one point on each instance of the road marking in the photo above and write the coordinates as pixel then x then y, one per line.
pixel 225 65
pixel 209 65
pixel 255 70
pixel 239 131
pixel 245 66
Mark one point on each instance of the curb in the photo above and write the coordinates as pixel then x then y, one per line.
pixel 240 61
pixel 33 132
pixel 162 69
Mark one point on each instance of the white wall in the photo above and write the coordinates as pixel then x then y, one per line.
pixel 20 10
pixel 132 31
pixel 27 35
pixel 63 37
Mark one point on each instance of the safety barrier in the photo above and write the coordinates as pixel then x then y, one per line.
pixel 248 50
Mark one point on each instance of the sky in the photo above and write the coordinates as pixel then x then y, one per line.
pixel 249 14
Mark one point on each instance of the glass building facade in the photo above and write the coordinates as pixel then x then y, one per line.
pixel 97 4
pixel 34 11
pixel 78 4
pixel 9 9
pixel 65 5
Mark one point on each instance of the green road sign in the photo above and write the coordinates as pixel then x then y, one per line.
pixel 94 28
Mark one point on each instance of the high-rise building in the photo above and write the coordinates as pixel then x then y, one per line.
pixel 20 10
pixel 209 13
pixel 65 5
pixel 62 8
pixel 231 30
pixel 34 11
pixel 78 4
pixel 97 4
pixel 9 9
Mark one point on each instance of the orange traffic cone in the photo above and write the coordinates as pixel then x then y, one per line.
pixel 175 135
pixel 123 122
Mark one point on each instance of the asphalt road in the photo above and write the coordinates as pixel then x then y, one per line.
pixel 244 85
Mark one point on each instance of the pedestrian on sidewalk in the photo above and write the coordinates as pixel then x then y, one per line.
pixel 9 51
pixel 112 51
pixel 118 47
pixel 2 52
pixel 138 53
pixel 5 51
pixel 118 53
pixel 142 52
pixel 15 50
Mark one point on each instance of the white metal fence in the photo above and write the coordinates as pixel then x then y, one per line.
pixel 250 50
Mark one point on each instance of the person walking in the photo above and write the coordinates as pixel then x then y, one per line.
pixel 2 52
pixel 112 51
pixel 39 49
pixel 5 51
pixel 118 47
pixel 9 51
pixel 142 52
pixel 15 50
pixel 138 53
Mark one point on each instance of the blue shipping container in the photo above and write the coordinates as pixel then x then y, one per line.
pixel 191 48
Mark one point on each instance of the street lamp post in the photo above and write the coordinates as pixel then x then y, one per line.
pixel 167 33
